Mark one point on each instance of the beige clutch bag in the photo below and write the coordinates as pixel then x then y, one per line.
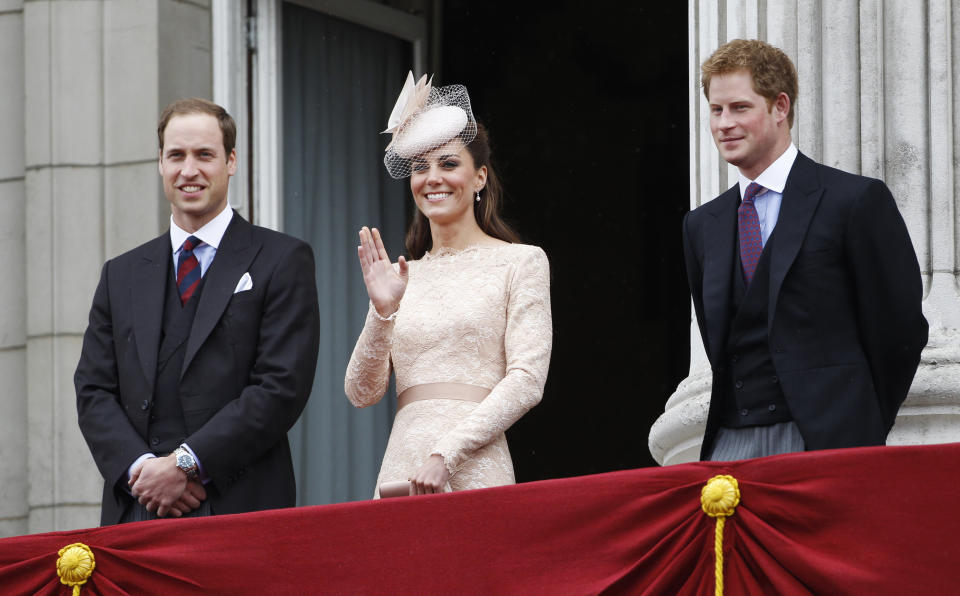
pixel 395 488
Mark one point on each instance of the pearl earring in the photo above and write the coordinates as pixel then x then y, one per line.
pixel 478 195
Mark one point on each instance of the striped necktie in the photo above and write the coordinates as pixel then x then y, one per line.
pixel 748 223
pixel 188 269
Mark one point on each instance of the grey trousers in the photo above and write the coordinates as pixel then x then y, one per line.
pixel 733 444
pixel 137 512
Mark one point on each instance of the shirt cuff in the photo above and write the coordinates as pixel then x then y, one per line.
pixel 200 473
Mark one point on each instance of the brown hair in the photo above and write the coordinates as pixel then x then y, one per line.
pixel 486 211
pixel 770 69
pixel 196 105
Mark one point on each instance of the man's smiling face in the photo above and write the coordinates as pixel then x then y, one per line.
pixel 750 132
pixel 195 169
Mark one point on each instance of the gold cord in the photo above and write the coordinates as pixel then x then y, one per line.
pixel 719 499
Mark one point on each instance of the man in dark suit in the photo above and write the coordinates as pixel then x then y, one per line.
pixel 804 280
pixel 202 345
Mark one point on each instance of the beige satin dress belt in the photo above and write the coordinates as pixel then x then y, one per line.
pixel 458 391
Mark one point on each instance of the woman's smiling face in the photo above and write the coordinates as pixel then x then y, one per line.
pixel 444 183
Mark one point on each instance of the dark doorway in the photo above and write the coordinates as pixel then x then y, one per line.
pixel 586 104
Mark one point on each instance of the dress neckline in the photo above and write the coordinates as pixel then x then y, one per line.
pixel 445 251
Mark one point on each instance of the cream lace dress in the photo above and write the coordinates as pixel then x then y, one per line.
pixel 479 316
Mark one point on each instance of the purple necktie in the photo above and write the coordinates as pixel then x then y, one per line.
pixel 188 269
pixel 751 240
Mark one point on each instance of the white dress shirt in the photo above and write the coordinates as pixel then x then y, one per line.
pixel 774 179
pixel 211 234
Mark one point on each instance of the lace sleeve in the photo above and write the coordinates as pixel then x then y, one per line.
pixel 369 370
pixel 527 342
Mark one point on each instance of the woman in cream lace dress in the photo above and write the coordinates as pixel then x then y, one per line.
pixel 465 326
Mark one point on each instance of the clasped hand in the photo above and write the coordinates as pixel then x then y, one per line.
pixel 431 478
pixel 385 285
pixel 159 485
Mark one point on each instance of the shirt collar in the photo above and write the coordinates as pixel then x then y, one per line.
pixel 775 176
pixel 211 233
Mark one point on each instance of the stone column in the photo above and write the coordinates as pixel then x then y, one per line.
pixel 13 337
pixel 64 154
pixel 877 88
pixel 97 74
pixel 932 412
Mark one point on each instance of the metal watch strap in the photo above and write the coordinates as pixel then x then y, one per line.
pixel 186 462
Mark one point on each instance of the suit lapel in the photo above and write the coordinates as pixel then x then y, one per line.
pixel 801 195
pixel 719 240
pixel 147 295
pixel 233 258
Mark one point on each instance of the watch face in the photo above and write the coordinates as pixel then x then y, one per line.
pixel 184 461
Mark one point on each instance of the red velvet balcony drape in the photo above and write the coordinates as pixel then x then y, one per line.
pixel 856 521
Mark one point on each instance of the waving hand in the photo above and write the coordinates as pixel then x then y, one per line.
pixel 385 285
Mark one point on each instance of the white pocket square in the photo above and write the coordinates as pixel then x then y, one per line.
pixel 245 283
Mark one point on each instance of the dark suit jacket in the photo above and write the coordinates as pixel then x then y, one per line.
pixel 248 369
pixel 844 322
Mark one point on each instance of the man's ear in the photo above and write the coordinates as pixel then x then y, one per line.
pixel 232 162
pixel 781 106
pixel 160 161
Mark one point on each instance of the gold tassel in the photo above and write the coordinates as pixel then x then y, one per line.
pixel 719 498
pixel 75 565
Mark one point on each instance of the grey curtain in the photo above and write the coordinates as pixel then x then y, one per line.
pixel 340 82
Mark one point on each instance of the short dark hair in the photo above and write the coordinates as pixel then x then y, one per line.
pixel 770 69
pixel 197 105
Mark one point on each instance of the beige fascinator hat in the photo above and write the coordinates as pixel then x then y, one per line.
pixel 425 118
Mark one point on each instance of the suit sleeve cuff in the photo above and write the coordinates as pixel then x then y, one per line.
pixel 200 473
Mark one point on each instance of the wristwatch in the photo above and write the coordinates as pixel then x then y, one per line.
pixel 186 462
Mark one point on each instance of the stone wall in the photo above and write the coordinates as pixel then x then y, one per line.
pixel 81 85
pixel 13 333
